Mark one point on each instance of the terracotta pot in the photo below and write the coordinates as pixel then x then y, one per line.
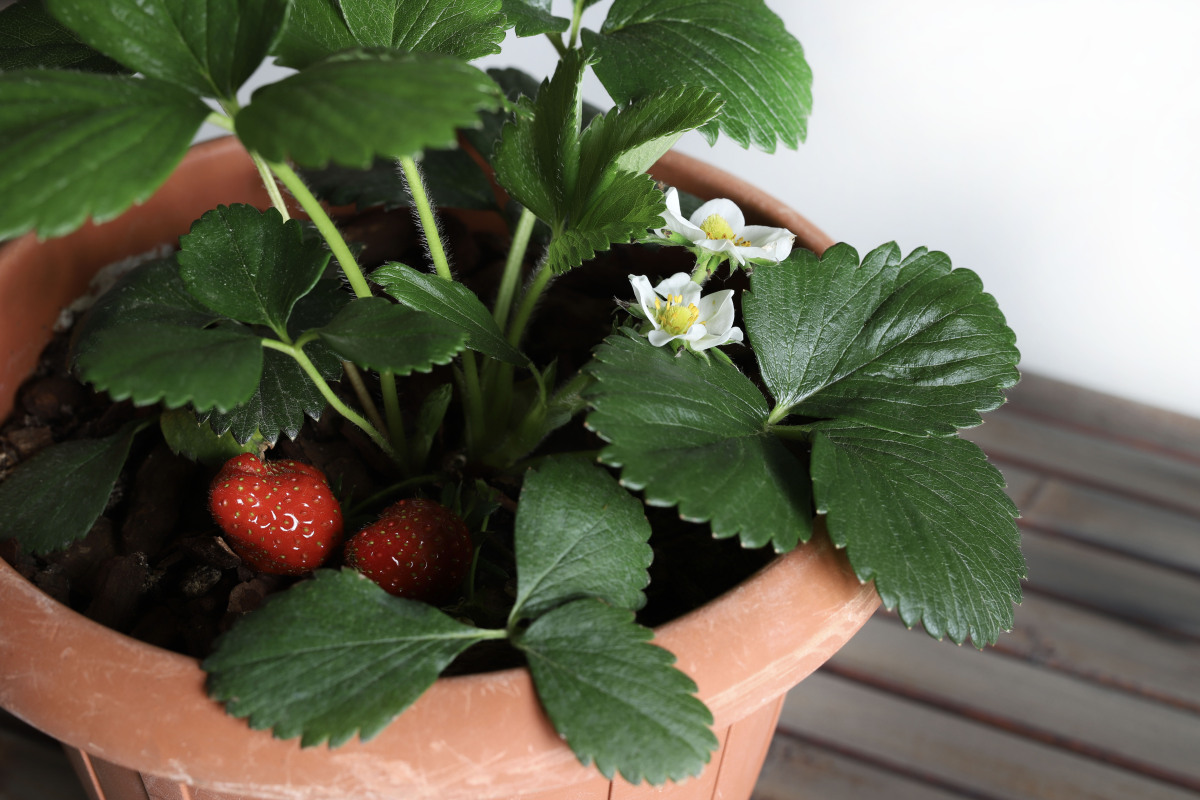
pixel 136 718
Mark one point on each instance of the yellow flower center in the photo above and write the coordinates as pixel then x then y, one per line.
pixel 716 227
pixel 675 318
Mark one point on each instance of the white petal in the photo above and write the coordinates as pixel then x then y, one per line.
pixel 724 246
pixel 731 335
pixel 675 221
pixel 777 242
pixel 695 333
pixel 645 296
pixel 726 209
pixel 679 284
pixel 716 311
pixel 659 338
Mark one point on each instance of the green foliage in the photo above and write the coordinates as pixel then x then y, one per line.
pixel 31 38
pixel 377 334
pixel 333 657
pixel 249 265
pixel 586 185
pixel 468 29
pixel 357 105
pixel 54 498
pixel 614 697
pixel 738 49
pixel 533 17
pixel 927 519
pixel 189 437
pixel 902 344
pixel 450 301
pixel 578 534
pixel 692 432
pixel 74 145
pixel 209 48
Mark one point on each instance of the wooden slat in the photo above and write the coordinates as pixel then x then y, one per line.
pixel 1045 705
pixel 800 769
pixel 1096 647
pixel 1121 587
pixel 1067 404
pixel 953 751
pixel 1129 526
pixel 1047 449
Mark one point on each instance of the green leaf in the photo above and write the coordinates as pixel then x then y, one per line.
pixel 74 145
pixel 738 49
pixel 578 534
pixel 906 345
pixel 32 39
pixel 249 265
pixel 210 48
pixel 189 437
pixel 633 137
pixel 624 211
pixel 468 29
pixel 284 397
pixel 318 29
pixel 927 519
pixel 150 362
pixel 616 698
pixel 692 432
pixel 452 302
pixel 452 180
pixel 378 334
pixel 533 17
pixel 333 657
pixel 357 105
pixel 53 498
pixel 538 155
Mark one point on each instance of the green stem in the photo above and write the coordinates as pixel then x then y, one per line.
pixel 780 412
pixel 220 120
pixel 272 188
pixel 391 407
pixel 512 266
pixel 704 268
pixel 573 36
pixel 540 281
pixel 433 240
pixel 330 396
pixel 341 251
pixel 473 397
pixel 364 397
pixel 557 42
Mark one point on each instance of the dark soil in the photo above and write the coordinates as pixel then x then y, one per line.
pixel 154 565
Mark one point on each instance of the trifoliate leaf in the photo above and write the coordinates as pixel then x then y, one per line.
pixel 927 519
pixel 692 432
pixel 737 49
pixel 150 362
pixel 452 302
pixel 333 657
pixel 54 498
pixel 468 29
pixel 578 534
pixel 628 206
pixel 614 697
pixel 210 48
pixel 906 345
pixel 74 145
pixel 357 105
pixel 378 334
pixel 452 180
pixel 30 38
pixel 533 17
pixel 250 265
pixel 284 397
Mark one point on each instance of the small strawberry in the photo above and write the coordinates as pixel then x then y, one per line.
pixel 417 549
pixel 279 516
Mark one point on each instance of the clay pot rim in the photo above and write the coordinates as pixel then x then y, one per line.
pixel 813 588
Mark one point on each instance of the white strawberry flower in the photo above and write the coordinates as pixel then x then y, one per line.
pixel 719 227
pixel 677 311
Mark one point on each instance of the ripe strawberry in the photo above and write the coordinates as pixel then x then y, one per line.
pixel 417 549
pixel 279 516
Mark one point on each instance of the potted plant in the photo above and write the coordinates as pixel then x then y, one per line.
pixel 756 390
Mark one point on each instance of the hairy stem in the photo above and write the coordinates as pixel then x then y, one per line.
pixel 534 293
pixel 433 239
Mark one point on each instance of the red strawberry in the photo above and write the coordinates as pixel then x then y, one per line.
pixel 279 516
pixel 417 549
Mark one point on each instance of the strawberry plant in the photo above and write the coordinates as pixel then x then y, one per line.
pixel 833 385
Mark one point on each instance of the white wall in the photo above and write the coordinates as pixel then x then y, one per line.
pixel 1049 145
